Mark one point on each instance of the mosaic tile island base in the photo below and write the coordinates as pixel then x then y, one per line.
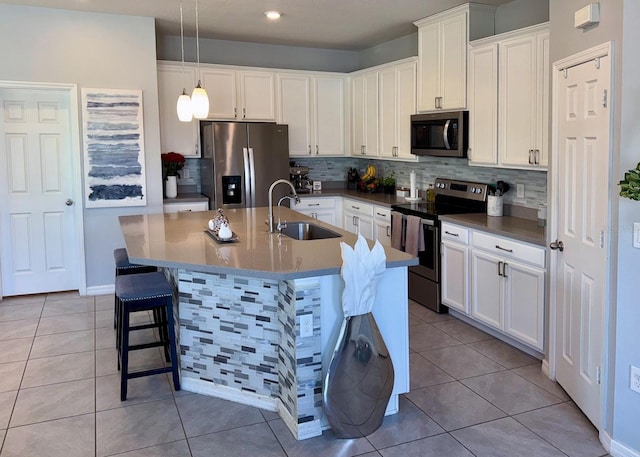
pixel 239 307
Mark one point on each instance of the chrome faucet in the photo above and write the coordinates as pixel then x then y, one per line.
pixel 295 196
pixel 282 225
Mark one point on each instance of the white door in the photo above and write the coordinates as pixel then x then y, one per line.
pixel 582 163
pixel 328 115
pixel 294 110
pixel 36 190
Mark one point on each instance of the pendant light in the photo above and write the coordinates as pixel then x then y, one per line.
pixel 199 98
pixel 183 107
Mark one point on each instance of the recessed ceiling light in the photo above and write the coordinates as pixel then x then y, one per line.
pixel 273 15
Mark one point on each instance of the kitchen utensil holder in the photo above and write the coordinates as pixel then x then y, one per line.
pixel 494 205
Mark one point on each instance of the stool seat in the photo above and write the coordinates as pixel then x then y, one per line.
pixel 143 286
pixel 124 266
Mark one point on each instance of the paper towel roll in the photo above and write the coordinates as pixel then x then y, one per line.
pixel 412 184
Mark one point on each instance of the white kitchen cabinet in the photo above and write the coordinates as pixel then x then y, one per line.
pixel 358 217
pixel 382 225
pixel 313 107
pixel 442 54
pixel 325 209
pixel 454 268
pixel 242 95
pixel 176 136
pixel 519 111
pixel 180 207
pixel 507 287
pixel 364 114
pixel 397 102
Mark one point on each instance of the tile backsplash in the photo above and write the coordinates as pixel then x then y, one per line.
pixel 427 170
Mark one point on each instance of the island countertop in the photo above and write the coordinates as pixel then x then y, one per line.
pixel 179 240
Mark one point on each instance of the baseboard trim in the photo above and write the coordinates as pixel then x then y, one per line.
pixel 620 450
pixel 228 393
pixel 101 290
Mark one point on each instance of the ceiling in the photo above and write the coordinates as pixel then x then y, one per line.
pixel 333 24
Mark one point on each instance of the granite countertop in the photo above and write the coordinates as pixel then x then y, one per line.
pixel 190 197
pixel 179 240
pixel 512 227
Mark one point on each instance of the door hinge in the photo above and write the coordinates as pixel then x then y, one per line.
pixel 601 238
pixel 598 376
pixel 565 73
pixel 604 98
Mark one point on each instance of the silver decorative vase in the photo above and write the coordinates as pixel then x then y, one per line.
pixel 359 381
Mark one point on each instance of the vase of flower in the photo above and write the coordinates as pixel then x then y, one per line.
pixel 171 187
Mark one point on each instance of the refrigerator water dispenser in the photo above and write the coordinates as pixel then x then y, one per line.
pixel 231 190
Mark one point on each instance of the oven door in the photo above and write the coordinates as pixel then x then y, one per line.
pixel 429 266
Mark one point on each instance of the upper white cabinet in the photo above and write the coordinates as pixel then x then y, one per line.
pixel 442 54
pixel 397 102
pixel 241 95
pixel 364 114
pixel 509 95
pixel 176 136
pixel 313 107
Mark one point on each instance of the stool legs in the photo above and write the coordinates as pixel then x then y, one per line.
pixel 124 352
pixel 172 344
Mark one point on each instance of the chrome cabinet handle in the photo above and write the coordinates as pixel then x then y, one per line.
pixel 504 269
pixel 235 113
pixel 530 156
pixel 309 149
pixel 244 113
pixel 557 245
pixel 499 266
pixel 313 204
pixel 317 150
pixel 452 234
pixel 537 156
pixel 380 214
pixel 355 207
pixel 503 249
pixel 388 230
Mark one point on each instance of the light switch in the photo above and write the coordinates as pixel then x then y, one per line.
pixel 519 190
pixel 636 235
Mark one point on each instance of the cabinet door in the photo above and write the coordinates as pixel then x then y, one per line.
pixel 371 114
pixel 483 105
pixel 325 215
pixel 382 232
pixel 406 82
pixel 486 290
pixel 429 48
pixel 453 62
pixel 524 303
pixel 517 106
pixel 350 222
pixel 258 96
pixel 357 115
pixel 294 98
pixel 544 79
pixel 221 88
pixel 328 116
pixel 365 227
pixel 454 271
pixel 389 115
pixel 176 136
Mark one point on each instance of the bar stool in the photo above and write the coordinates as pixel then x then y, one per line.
pixel 144 292
pixel 124 267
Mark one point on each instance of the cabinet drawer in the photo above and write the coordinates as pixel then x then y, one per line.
pixel 505 247
pixel 315 203
pixel 455 233
pixel 358 207
pixel 185 207
pixel 382 214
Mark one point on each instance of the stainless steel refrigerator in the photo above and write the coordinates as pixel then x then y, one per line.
pixel 240 160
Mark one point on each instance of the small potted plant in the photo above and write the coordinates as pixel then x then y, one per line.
pixel 389 183
pixel 630 185
pixel 172 163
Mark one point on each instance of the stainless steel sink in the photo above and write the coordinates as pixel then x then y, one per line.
pixel 308 231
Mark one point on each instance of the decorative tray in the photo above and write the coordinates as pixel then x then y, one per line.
pixel 215 236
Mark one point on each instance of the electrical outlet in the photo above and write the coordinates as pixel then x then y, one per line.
pixel 520 190
pixel 185 173
pixel 634 381
pixel 306 325
pixel 636 234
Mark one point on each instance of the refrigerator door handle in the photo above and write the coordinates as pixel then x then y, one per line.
pixel 253 177
pixel 247 178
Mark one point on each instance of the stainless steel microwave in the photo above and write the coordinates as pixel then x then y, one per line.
pixel 440 134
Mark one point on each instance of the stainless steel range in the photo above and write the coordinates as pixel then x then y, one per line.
pixel 452 197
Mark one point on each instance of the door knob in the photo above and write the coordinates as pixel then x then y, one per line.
pixel 559 245
pixel 68 202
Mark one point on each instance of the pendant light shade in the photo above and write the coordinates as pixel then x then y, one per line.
pixel 184 108
pixel 200 102
pixel 199 97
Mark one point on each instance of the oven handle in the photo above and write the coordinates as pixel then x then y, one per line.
pixel 427 222
pixel 445 134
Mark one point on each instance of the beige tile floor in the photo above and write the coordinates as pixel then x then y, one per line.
pixel 471 395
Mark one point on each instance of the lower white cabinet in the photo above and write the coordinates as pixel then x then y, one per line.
pixel 180 207
pixel 497 281
pixel 358 217
pixel 325 209
pixel 382 225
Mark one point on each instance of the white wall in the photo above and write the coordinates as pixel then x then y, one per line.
pixel 521 13
pixel 90 50
pixel 618 24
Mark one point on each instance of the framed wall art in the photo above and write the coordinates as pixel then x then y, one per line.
pixel 113 148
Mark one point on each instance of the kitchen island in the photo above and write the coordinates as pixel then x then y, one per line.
pixel 240 304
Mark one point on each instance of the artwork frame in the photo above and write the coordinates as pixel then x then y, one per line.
pixel 113 148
